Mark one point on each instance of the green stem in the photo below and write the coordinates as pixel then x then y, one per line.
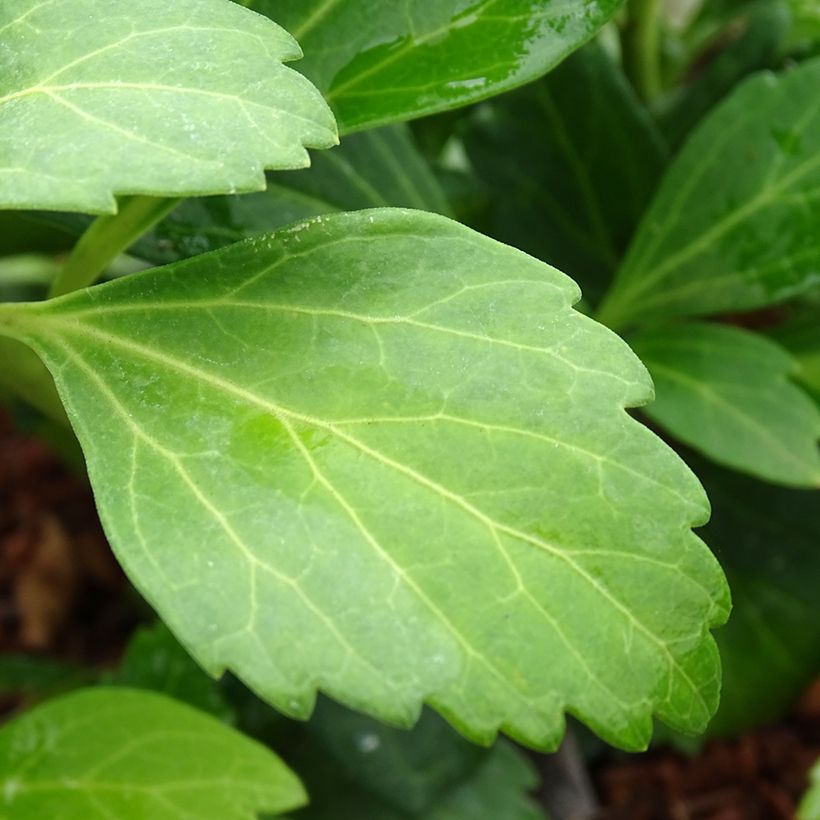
pixel 107 238
pixel 641 49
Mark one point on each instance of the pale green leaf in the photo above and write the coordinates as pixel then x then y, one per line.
pixel 728 392
pixel 734 225
pixel 380 454
pixel 810 807
pixel 173 99
pixel 101 753
pixel 381 62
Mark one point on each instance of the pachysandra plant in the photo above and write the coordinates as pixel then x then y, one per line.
pixel 367 451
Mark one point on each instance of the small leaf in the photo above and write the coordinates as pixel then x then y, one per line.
pixel 766 539
pixel 801 337
pixel 734 224
pixel 379 441
pixel 810 807
pixel 381 62
pixel 559 190
pixel 172 99
pixel 102 753
pixel 727 392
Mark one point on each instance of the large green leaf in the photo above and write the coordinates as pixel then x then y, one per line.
pixel 766 540
pixel 810 807
pixel 174 99
pixel 102 753
pixel 381 62
pixel 727 392
pixel 559 190
pixel 380 442
pixel 735 223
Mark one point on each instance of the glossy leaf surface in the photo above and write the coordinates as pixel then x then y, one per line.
pixel 728 392
pixel 766 540
pixel 279 437
pixel 560 190
pixel 102 753
pixel 172 99
pixel 734 224
pixel 381 62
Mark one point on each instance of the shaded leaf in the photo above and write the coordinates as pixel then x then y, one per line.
pixel 103 753
pixel 734 224
pixel 801 337
pixel 766 540
pixel 728 393
pixel 277 434
pixel 381 62
pixel 572 162
pixel 173 99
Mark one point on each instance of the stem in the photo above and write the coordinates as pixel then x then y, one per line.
pixel 106 238
pixel 641 50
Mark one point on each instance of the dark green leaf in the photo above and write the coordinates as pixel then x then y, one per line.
pixel 277 434
pixel 572 162
pixel 387 61
pixel 172 99
pixel 103 753
pixel 734 225
pixel 728 392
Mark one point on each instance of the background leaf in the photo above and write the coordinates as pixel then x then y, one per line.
pixel 734 224
pixel 277 434
pixel 381 62
pixel 810 807
pixel 572 161
pixel 727 392
pixel 173 99
pixel 766 540
pixel 103 753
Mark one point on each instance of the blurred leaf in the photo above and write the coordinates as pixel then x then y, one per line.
pixel 801 337
pixel 386 61
pixel 155 660
pixel 37 677
pixel 572 162
pixel 727 392
pixel 754 42
pixel 94 104
pixel 429 773
pixel 734 224
pixel 101 753
pixel 766 540
pixel 810 807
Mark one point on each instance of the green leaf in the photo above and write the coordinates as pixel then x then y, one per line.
pixel 801 337
pixel 377 442
pixel 734 225
pixel 381 62
pixel 155 660
pixel 172 99
pixel 376 771
pixel 727 392
pixel 560 191
pixel 766 539
pixel 810 807
pixel 104 753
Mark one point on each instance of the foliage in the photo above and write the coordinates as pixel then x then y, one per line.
pixel 363 456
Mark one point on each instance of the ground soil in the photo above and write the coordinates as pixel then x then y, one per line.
pixel 63 597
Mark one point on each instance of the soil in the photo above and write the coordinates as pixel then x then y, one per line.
pixel 64 598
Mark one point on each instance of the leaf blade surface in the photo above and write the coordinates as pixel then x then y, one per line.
pixel 309 401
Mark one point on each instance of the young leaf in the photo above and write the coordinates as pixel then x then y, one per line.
pixel 102 753
pixel 172 99
pixel 734 224
pixel 766 539
pixel 381 62
pixel 559 190
pixel 810 807
pixel 727 392
pixel 380 442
